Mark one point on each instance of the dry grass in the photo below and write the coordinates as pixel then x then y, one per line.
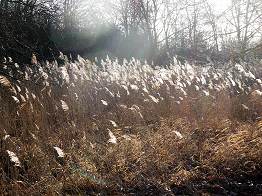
pixel 167 141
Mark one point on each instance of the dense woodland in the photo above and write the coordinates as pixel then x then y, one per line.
pixel 155 30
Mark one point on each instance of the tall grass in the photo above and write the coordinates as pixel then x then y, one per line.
pixel 128 128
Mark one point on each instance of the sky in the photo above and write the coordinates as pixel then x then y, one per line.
pixel 220 5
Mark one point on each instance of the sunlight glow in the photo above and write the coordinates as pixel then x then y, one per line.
pixel 220 5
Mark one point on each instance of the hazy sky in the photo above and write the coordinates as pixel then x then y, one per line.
pixel 220 5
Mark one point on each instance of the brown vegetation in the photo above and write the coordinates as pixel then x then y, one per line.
pixel 59 133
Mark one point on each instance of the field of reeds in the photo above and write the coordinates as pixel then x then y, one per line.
pixel 130 129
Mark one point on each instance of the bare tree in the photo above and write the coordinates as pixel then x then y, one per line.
pixel 245 21
pixel 211 20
